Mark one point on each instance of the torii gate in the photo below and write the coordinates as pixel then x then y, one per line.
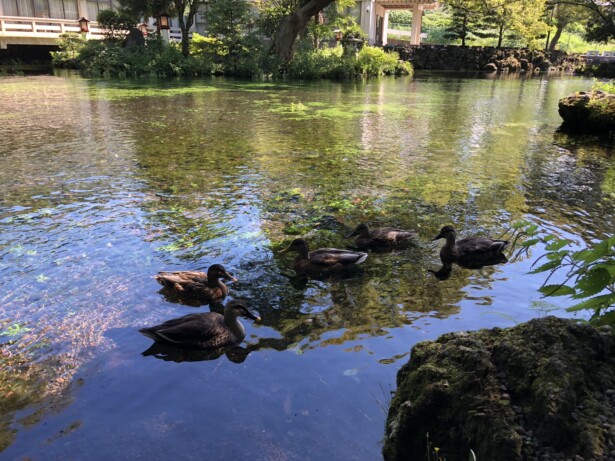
pixel 375 17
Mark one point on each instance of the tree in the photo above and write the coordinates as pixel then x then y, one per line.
pixel 292 24
pixel 185 10
pixel 115 24
pixel 229 24
pixel 465 20
pixel 562 14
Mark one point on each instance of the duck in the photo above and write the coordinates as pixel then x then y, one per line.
pixel 471 252
pixel 195 285
pixel 323 260
pixel 208 330
pixel 381 237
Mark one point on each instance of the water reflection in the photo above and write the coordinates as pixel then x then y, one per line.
pixel 103 185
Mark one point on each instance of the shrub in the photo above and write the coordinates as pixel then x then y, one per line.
pixel 607 87
pixel 374 61
pixel 114 24
pixel 70 45
pixel 109 58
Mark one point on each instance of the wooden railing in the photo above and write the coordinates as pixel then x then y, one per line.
pixel 19 26
pixel 16 26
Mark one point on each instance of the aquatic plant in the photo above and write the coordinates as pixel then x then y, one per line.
pixel 589 273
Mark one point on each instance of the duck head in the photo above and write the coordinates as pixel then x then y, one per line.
pixel 299 245
pixel 217 271
pixel 239 308
pixel 361 230
pixel 445 233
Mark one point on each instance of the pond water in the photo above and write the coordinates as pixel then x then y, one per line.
pixel 104 183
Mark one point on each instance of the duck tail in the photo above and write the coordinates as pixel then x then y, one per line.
pixel 362 257
pixel 149 333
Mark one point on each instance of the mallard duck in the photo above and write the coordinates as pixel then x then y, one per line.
pixel 207 330
pixel 197 285
pixel 382 237
pixel 324 259
pixel 470 252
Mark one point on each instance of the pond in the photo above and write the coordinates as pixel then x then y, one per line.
pixel 105 183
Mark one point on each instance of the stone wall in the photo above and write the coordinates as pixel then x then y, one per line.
pixel 450 57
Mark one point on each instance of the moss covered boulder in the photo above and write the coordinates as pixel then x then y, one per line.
pixel 589 111
pixel 544 390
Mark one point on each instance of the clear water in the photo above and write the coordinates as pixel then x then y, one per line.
pixel 104 183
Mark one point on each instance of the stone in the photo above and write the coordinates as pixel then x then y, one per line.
pixel 491 67
pixel 550 365
pixel 592 111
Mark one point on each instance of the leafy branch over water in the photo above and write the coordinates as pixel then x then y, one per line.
pixel 589 274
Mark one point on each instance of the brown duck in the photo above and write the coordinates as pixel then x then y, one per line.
pixel 323 260
pixel 208 330
pixel 470 252
pixel 381 237
pixel 197 286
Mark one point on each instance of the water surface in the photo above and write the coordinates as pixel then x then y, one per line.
pixel 104 183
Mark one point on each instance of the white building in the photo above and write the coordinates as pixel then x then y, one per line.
pixel 40 22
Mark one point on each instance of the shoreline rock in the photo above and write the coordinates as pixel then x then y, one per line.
pixel 592 111
pixel 543 390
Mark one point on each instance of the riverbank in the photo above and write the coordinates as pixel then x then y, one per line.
pixel 450 57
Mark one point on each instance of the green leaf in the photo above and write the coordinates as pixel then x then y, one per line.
pixel 557 290
pixel 530 242
pixel 608 266
pixel 592 282
pixel 602 301
pixel 593 254
pixel 557 255
pixel 557 244
pixel 547 266
pixel 608 318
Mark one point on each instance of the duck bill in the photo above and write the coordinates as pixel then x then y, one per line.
pixel 229 277
pixel 251 316
pixel 437 237
pixel 353 234
pixel 285 250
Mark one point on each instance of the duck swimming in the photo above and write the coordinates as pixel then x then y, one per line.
pixel 207 330
pixel 381 237
pixel 194 285
pixel 470 252
pixel 325 260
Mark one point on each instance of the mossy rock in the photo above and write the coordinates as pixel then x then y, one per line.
pixel 592 111
pixel 543 388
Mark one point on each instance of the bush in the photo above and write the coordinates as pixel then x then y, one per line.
pixel 115 24
pixel 70 44
pixel 332 63
pixel 607 87
pixel 109 58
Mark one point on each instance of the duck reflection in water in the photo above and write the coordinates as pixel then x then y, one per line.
pixel 209 330
pixel 470 253
pixel 169 353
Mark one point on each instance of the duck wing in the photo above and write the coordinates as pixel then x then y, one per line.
pixel 479 245
pixel 391 236
pixel 197 330
pixel 169 279
pixel 327 257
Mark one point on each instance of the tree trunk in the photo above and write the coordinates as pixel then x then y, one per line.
pixel 556 37
pixel 500 36
pixel 290 26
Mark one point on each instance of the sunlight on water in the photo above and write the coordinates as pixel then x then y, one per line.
pixel 104 183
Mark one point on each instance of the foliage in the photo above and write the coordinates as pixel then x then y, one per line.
pixel 607 87
pixel 373 61
pixel 464 20
pixel 115 24
pixel 332 63
pixel 70 45
pixel 109 58
pixel 589 273
pixel 233 43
